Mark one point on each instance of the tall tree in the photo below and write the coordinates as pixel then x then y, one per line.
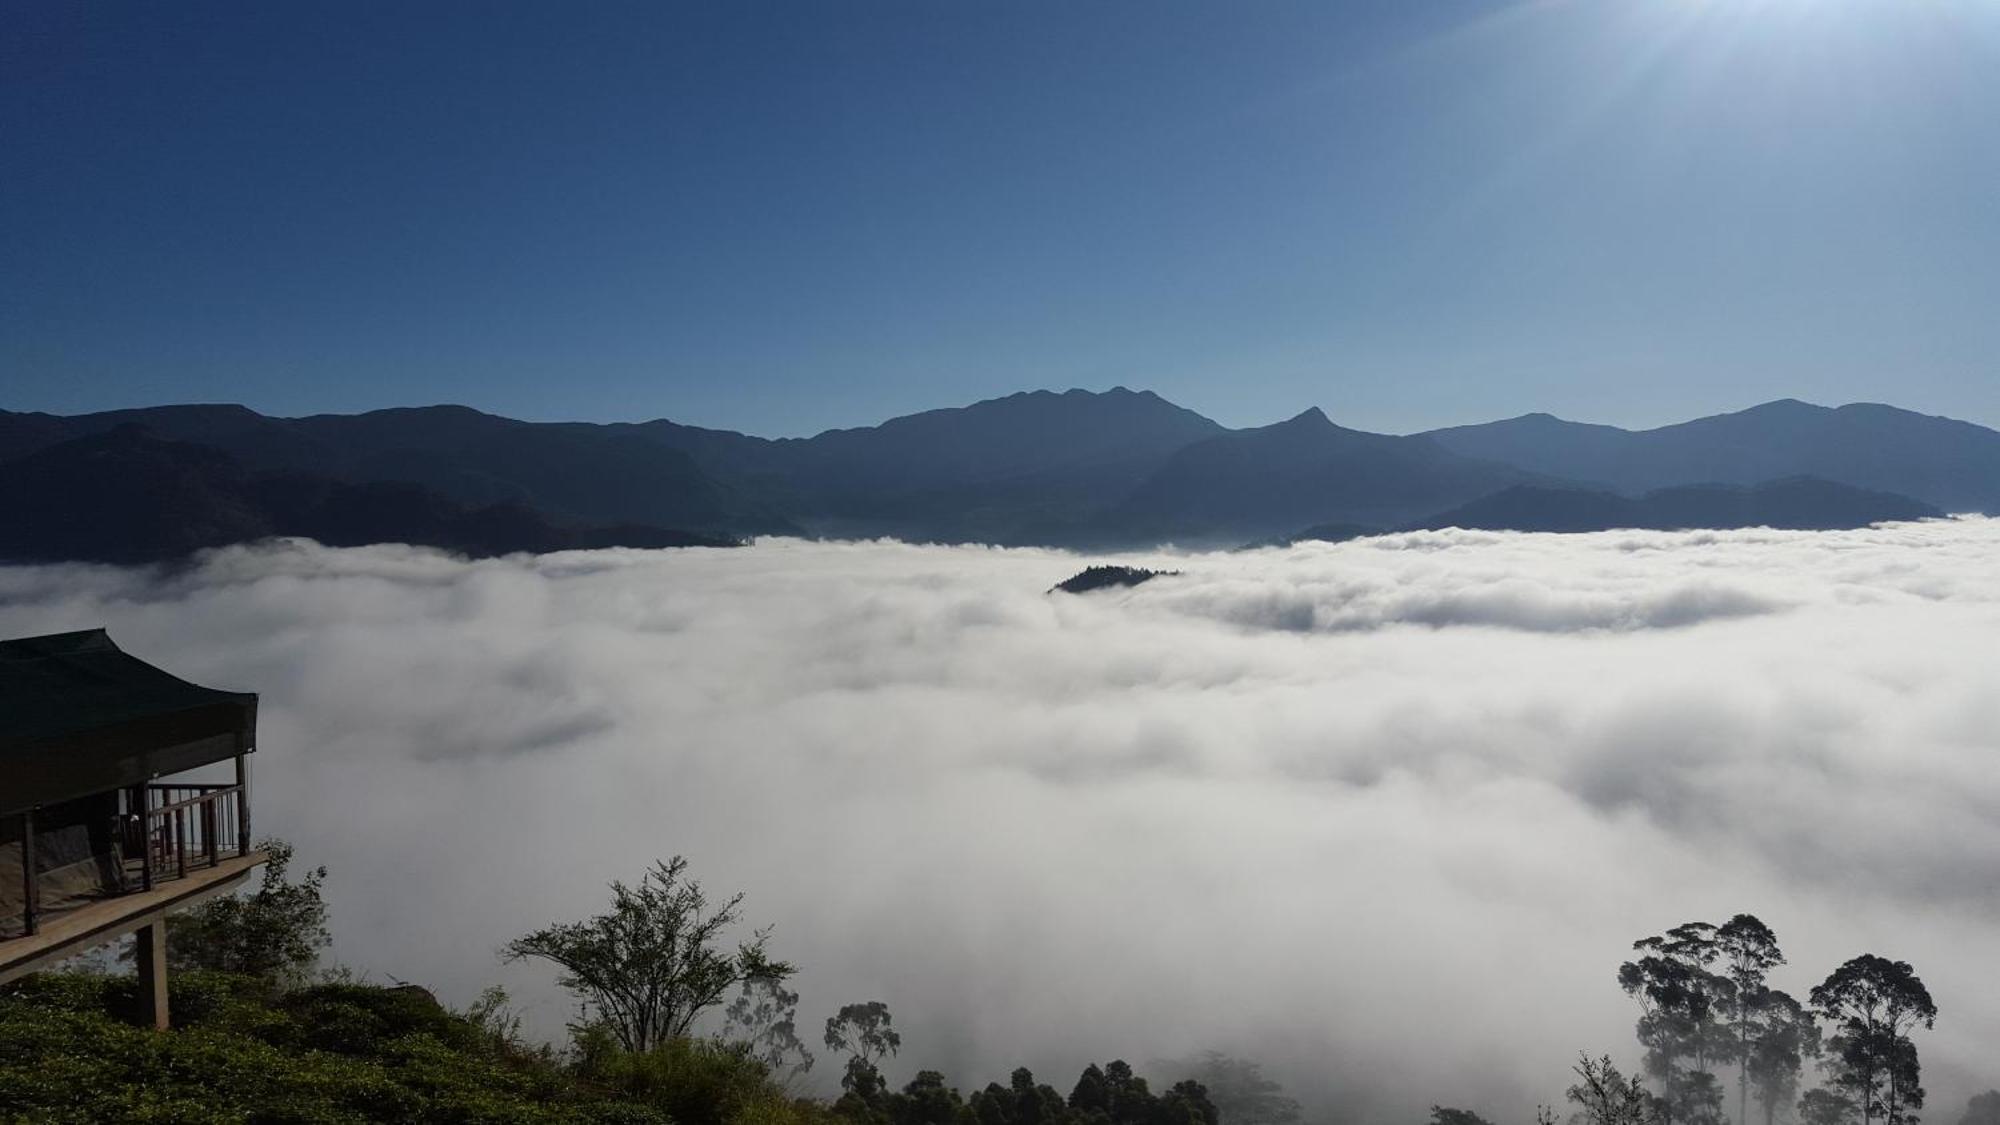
pixel 652 963
pixel 1873 1004
pixel 927 1100
pixel 765 1016
pixel 1784 1035
pixel 1748 951
pixel 1680 1000
pixel 864 1032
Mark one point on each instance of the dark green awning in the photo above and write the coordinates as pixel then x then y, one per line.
pixel 78 715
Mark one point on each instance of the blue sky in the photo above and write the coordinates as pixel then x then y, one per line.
pixel 785 217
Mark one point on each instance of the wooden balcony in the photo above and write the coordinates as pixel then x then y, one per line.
pixel 162 835
pixel 184 828
pixel 82 928
pixel 96 840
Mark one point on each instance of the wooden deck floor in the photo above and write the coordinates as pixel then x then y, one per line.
pixel 76 930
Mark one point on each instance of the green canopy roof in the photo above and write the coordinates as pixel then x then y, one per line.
pixel 79 715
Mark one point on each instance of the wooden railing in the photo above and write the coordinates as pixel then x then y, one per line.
pixel 189 827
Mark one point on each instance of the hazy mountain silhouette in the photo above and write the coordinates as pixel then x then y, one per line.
pixel 1114 469
pixel 1954 465
pixel 1247 484
pixel 1031 467
pixel 1318 533
pixel 1800 503
pixel 573 472
pixel 126 496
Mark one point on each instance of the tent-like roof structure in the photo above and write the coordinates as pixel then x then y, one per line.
pixel 78 715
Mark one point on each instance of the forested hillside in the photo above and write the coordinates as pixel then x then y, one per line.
pixel 678 1027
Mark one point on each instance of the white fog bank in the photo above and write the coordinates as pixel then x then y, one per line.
pixel 1384 815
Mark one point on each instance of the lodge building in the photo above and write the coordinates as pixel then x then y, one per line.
pixel 124 795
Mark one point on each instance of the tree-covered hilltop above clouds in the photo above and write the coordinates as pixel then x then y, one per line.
pixel 1119 469
pixel 678 1026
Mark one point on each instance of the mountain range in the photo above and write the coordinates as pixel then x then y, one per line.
pixel 1114 469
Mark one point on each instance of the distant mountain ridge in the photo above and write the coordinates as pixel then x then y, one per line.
pixel 126 496
pixel 1264 481
pixel 1796 503
pixel 1110 469
pixel 1952 464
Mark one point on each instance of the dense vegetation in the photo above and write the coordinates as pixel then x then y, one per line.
pixel 1706 1005
pixel 1104 577
pixel 262 1036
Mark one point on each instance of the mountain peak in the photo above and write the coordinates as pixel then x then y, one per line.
pixel 1786 406
pixel 1310 416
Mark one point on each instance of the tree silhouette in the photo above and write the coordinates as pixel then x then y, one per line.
pixel 1242 1095
pixel 1784 1035
pixel 1983 1109
pixel 1749 951
pixel 650 965
pixel 275 932
pixel 1679 999
pixel 1603 1096
pixel 765 1016
pixel 1826 1107
pixel 1873 1004
pixel 864 1033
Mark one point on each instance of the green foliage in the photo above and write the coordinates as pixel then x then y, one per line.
pixel 1603 1096
pixel 1244 1096
pixel 1107 1095
pixel 275 932
pixel 240 1051
pixel 765 1016
pixel 650 965
pixel 864 1033
pixel 691 1081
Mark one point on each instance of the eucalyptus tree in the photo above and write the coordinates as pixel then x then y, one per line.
pixel 1748 951
pixel 1873 1004
pixel 865 1033
pixel 1785 1036
pixel 1680 999
pixel 765 1017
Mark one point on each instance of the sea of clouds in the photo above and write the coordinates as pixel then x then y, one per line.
pixel 1383 815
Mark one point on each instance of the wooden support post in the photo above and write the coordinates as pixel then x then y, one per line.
pixel 151 955
pixel 145 838
pixel 242 804
pixel 31 894
pixel 208 819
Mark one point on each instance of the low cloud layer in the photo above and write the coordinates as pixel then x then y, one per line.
pixel 1385 815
